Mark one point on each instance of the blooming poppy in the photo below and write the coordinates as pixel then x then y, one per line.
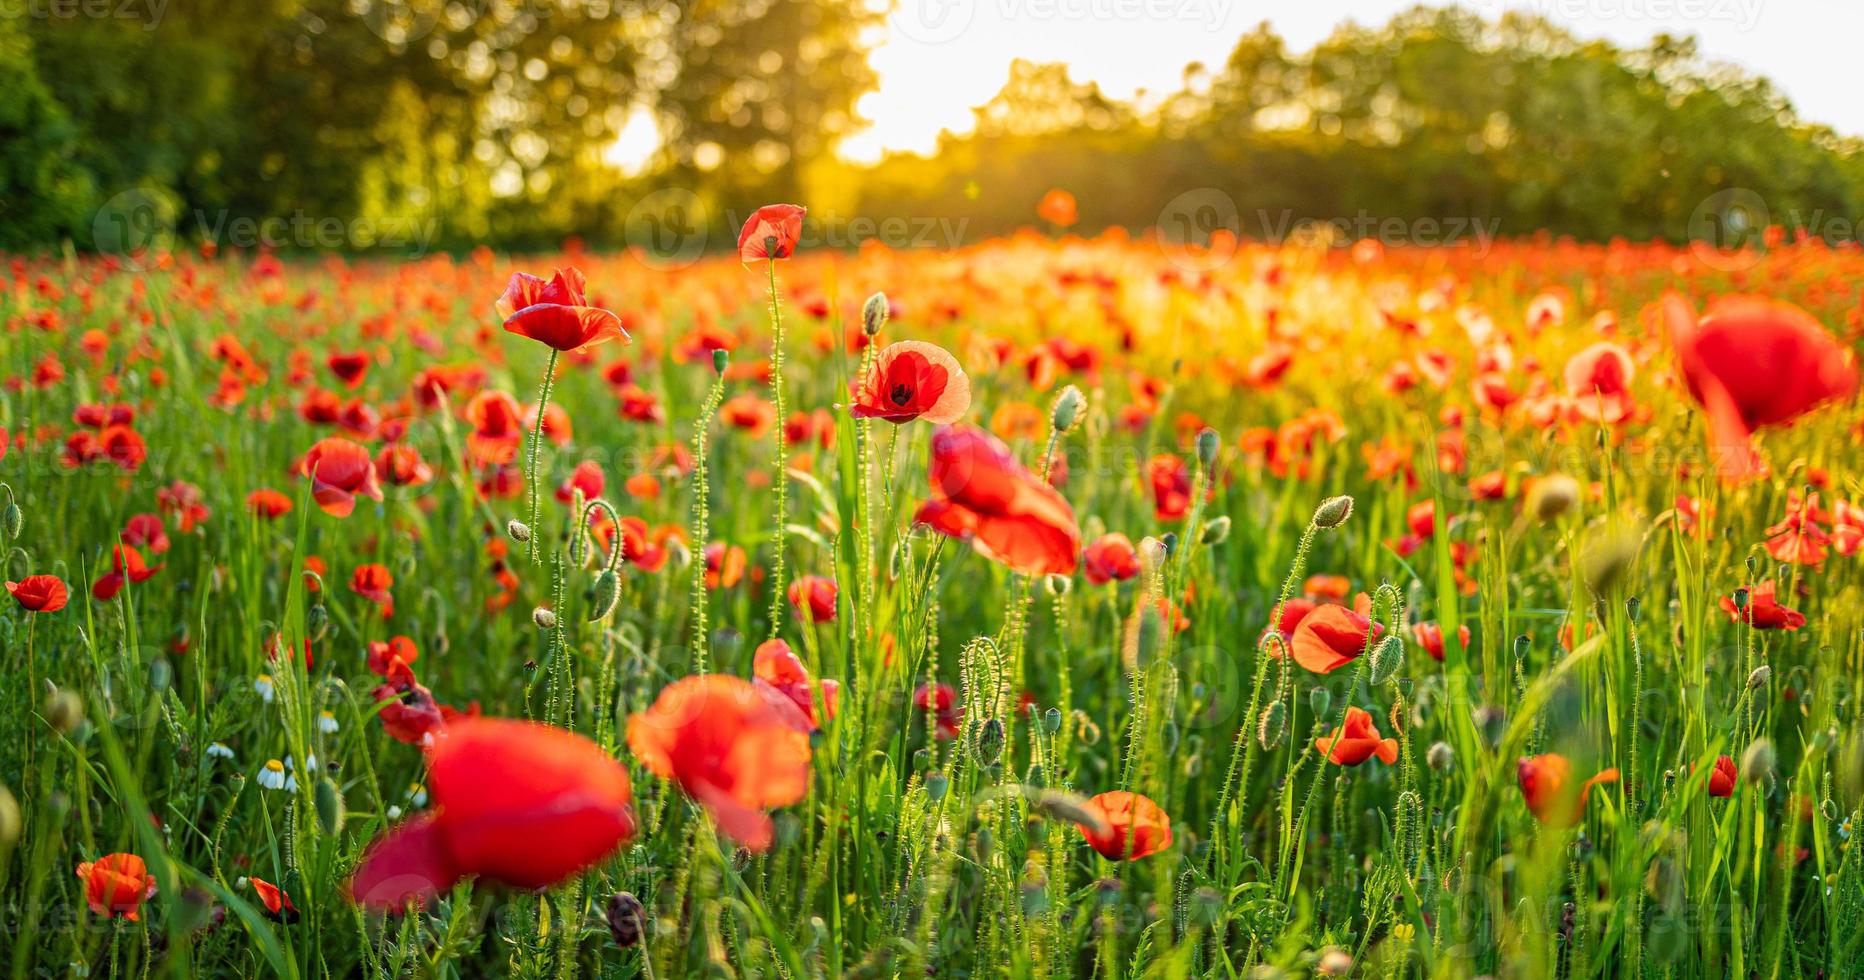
pixel 1356 741
pixel 724 565
pixel 814 597
pixel 277 904
pixel 339 471
pixel 268 503
pixel 393 658
pixel 1753 362
pixel 39 593
pixel 771 232
pixel 779 675
pixel 1543 780
pixel 1108 558
pixel 554 313
pixel 1722 778
pixel 748 412
pixel 126 565
pixel 350 367
pixel 1292 613
pixel 911 380
pixel 1058 208
pixel 1127 826
pixel 116 885
pixel 940 701
pixel 145 531
pixel 587 479
pixel 1598 380
pixel 980 492
pixel 1430 637
pixel 1171 486
pixel 401 465
pixel 409 713
pixel 1332 636
pixel 728 748
pixel 497 428
pixel 372 581
pixel 515 802
pixel 1764 611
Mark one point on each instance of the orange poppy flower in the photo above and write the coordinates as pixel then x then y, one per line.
pixel 780 677
pixel 724 565
pixel 911 380
pixel 727 748
pixel 980 492
pixel 339 470
pixel 555 314
pixel 1058 208
pixel 814 598
pixel 277 904
pixel 1356 741
pixel 1753 362
pixel 1128 826
pixel 1110 557
pixel 1332 636
pixel 497 428
pixel 771 232
pixel 1543 781
pixel 268 503
pixel 515 802
pixel 39 593
pixel 1430 637
pixel 116 885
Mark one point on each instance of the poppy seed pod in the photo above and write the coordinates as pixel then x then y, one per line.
pixel 626 919
pixel 874 314
pixel 1057 585
pixel 1333 511
pixel 1067 409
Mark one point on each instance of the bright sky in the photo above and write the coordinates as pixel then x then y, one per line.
pixel 941 57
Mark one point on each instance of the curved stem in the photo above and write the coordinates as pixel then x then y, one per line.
pixel 537 438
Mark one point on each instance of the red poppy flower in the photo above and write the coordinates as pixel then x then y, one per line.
pixel 277 904
pixel 372 582
pixel 814 598
pixel 1753 362
pixel 514 802
pixel 771 232
pixel 126 565
pixel 409 713
pixel 268 503
pixel 145 531
pixel 1430 637
pixel 980 492
pixel 1110 557
pixel 728 749
pixel 1333 636
pixel 1598 380
pixel 350 367
pixel 497 428
pixel 587 478
pixel 116 885
pixel 39 593
pixel 912 380
pixel 724 566
pixel 554 313
pixel 780 677
pixel 402 466
pixel 1171 486
pixel 941 702
pixel 1763 611
pixel 1357 741
pixel 1128 826
pixel 393 659
pixel 1292 613
pixel 1722 779
pixel 1543 781
pixel 748 412
pixel 1058 208
pixel 339 470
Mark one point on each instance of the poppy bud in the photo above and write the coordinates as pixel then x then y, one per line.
pixel 720 358
pixel 1272 724
pixel 1631 608
pixel 1757 762
pixel 1552 496
pixel 625 917
pixel 1170 540
pixel 1215 530
pixel 328 800
pixel 1440 757
pixel 936 785
pixel 1051 720
pixel 1741 597
pixel 544 618
pixel 316 621
pixel 63 710
pixel 1057 585
pixel 1207 443
pixel 1387 657
pixel 1333 511
pixel 14 521
pixel 604 594
pixel 1318 700
pixel 990 741
pixel 1760 676
pixel 1067 408
pixel 519 531
pixel 9 821
pixel 874 314
pixel 678 554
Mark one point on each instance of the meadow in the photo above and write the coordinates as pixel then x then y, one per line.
pixel 1053 606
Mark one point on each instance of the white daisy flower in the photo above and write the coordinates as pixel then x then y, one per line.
pixel 263 684
pixel 394 813
pixel 417 794
pixel 327 722
pixel 272 775
pixel 218 750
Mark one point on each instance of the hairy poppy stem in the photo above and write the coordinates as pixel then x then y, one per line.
pixel 783 460
pixel 702 516
pixel 537 438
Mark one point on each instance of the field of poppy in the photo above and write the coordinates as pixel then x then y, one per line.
pixel 1052 606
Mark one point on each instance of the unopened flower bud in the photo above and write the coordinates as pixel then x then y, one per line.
pixel 1207 444
pixel 1760 676
pixel 874 314
pixel 1057 585
pixel 1552 496
pixel 1216 530
pixel 604 594
pixel 63 710
pixel 328 800
pixel 14 520
pixel 1757 762
pixel 1067 408
pixel 519 531
pixel 1271 725
pixel 1387 657
pixel 544 618
pixel 990 737
pixel 626 919
pixel 1333 511
pixel 1319 700
pixel 1440 757
pixel 720 358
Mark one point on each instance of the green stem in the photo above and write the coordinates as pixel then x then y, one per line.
pixel 783 461
pixel 537 438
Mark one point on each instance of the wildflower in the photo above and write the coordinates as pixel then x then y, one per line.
pixel 263 686
pixel 268 503
pixel 1356 741
pixel 1110 557
pixel 780 677
pixel 516 802
pixel 814 597
pixel 497 428
pixel 277 904
pixel 1171 486
pixel 1430 637
pixel 39 593
pixel 554 312
pixel 911 380
pixel 1332 636
pixel 1058 208
pixel 372 582
pixel 339 471
pixel 327 722
pixel 272 775
pixel 587 479
pixel 980 492
pixel 727 748
pixel 1763 611
pixel 219 750
pixel 1543 780
pixel 942 703
pixel 1722 779
pixel 116 885
pixel 1126 827
pixel 771 232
